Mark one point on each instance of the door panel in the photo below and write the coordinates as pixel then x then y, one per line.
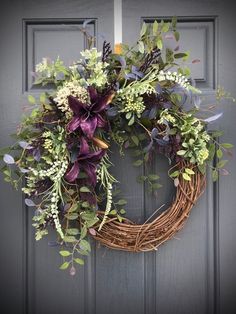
pixel 191 274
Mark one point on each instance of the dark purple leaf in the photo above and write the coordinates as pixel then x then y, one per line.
pixel 152 113
pixel 122 61
pixel 112 112
pixel 8 159
pixel 23 170
pixel 60 76
pixel 154 132
pixel 148 147
pixel 29 202
pixel 86 22
pixel 53 243
pixel 72 271
pixel 158 89
pixel 196 61
pixel 213 118
pixel 36 154
pixel 130 76
pixel 92 231
pixel 25 145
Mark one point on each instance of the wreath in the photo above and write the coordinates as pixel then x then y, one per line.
pixel 141 98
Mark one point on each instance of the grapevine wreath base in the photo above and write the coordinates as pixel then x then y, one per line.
pixel 142 100
pixel 128 236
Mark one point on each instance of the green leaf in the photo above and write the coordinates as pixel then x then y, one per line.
pixel 159 43
pixel 165 27
pixel 128 115
pixel 72 216
pixel 119 218
pixel 169 55
pixel 143 29
pixel 153 177
pixel 156 186
pixel 174 22
pixel 217 134
pixel 79 261
pixel 219 153
pixel 141 179
pixel 141 47
pixel 180 55
pixel 113 212
pixel 186 71
pixel 64 265
pixel 83 232
pixel 85 204
pixel 69 239
pixel 85 245
pixel 155 28
pixel 31 99
pixel 177 36
pixel 135 139
pixel 174 174
pixel 121 202
pixel 187 54
pixel 72 231
pixel 84 189
pixel 65 253
pixel 131 121
pixel 227 145
pixel 189 171
pixel 221 163
pixel 214 175
pixel 92 222
pixel 42 98
pixel 202 168
pixel 181 152
pixel 122 211
pixel 138 163
pixel 186 176
pixel 211 150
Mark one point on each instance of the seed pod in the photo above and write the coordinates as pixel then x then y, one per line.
pixel 99 143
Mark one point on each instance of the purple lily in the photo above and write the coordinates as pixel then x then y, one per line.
pixel 86 161
pixel 88 117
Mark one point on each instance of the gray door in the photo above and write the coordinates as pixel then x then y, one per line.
pixel 191 274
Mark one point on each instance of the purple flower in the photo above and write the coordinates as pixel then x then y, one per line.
pixel 86 161
pixel 87 117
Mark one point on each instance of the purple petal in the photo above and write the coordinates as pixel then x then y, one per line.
pixel 73 124
pixel 84 148
pixel 96 156
pixel 77 106
pixel 101 122
pixel 73 173
pixel 88 126
pixel 90 169
pixel 92 93
pixel 103 102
